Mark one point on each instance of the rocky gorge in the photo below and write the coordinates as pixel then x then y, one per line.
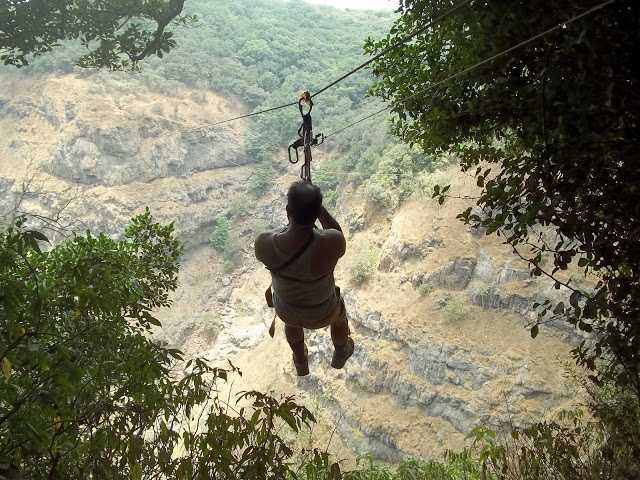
pixel 440 325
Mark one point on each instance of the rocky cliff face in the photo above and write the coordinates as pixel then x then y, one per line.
pixel 439 327
pixel 92 137
pixel 141 151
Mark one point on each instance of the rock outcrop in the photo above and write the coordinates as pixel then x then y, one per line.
pixel 141 152
pixel 396 252
pixel 456 275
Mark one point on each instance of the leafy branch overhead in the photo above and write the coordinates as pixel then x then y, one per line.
pixel 551 133
pixel 117 33
pixel 86 393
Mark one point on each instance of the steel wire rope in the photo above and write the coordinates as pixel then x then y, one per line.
pixel 407 38
pixel 430 87
pixel 480 63
pixel 437 19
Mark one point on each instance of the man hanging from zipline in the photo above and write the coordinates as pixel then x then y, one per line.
pixel 302 259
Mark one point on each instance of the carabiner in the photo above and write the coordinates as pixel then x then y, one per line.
pixel 305 137
pixel 305 132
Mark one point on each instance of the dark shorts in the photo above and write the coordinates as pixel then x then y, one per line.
pixel 337 315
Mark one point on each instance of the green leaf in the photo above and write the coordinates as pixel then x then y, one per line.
pixel 291 421
pixel 151 319
pixel 574 298
pixel 6 369
pixel 38 235
pixel 136 472
pixel 254 418
pixel 559 308
pixel 175 353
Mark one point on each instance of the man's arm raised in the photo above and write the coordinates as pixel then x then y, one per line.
pixel 327 221
pixel 337 238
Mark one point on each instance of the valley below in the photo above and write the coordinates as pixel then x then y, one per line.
pixel 439 320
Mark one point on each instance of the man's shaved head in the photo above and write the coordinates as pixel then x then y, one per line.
pixel 304 202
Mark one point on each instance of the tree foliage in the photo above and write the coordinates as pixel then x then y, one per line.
pixel 568 446
pixel 219 237
pixel 551 134
pixel 85 393
pixel 118 33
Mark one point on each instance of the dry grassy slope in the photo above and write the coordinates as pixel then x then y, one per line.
pixel 421 380
pixel 41 118
pixel 418 380
pixel 39 112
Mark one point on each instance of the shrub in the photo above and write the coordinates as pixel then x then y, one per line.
pixel 379 193
pixel 364 263
pixel 394 179
pixel 455 466
pixel 261 179
pixel 86 393
pixel 569 447
pixel 231 258
pixel 329 174
pixel 427 181
pixel 330 198
pixel 425 289
pixel 239 207
pixel 601 444
pixel 455 308
pixel 219 237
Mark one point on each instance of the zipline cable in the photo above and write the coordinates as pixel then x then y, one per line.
pixel 401 42
pixel 259 112
pixel 397 45
pixel 394 46
pixel 480 63
pixel 437 19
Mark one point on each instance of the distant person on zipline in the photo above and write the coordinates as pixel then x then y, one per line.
pixel 302 259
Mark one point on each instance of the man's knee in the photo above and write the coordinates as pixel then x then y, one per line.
pixel 340 329
pixel 294 335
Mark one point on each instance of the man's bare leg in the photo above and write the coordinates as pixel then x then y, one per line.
pixel 342 341
pixel 295 339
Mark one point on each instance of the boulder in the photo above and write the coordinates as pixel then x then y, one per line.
pixel 508 274
pixel 395 252
pixel 456 275
pixel 491 297
pixel 356 222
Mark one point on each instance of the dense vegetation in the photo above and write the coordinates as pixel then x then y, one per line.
pixel 118 33
pixel 551 133
pixel 85 393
